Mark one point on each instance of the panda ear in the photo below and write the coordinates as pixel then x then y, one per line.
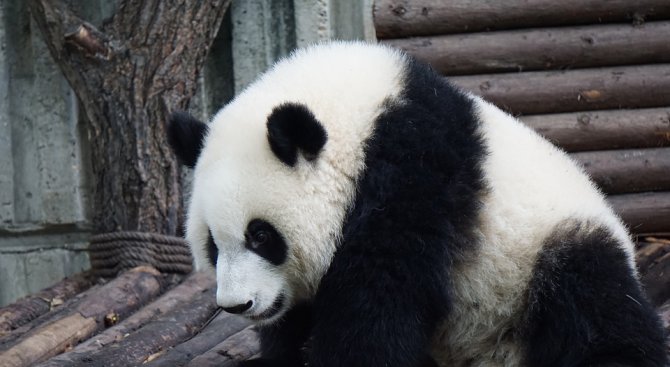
pixel 186 135
pixel 292 127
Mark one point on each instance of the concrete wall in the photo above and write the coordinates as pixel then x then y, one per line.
pixel 265 30
pixel 44 172
pixel 43 185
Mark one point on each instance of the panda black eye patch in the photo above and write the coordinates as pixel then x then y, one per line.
pixel 212 250
pixel 263 239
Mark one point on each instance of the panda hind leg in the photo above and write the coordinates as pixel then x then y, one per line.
pixel 586 306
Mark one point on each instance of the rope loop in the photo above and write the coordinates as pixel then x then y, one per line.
pixel 115 252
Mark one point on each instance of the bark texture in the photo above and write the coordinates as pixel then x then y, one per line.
pixel 128 76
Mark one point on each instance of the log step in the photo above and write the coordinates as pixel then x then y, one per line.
pixel 628 170
pixel 542 92
pixel 643 212
pixel 602 130
pixel 402 18
pixel 543 48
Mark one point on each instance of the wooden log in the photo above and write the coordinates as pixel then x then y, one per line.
pixel 649 251
pixel 602 130
pixel 541 49
pixel 193 285
pixel 574 90
pixel 657 236
pixel 50 340
pixel 654 266
pixel 58 313
pixel 664 312
pixel 628 170
pixel 157 335
pixel 643 212
pixel 222 327
pixel 402 18
pixel 167 281
pixel 238 347
pixel 42 302
pixel 113 301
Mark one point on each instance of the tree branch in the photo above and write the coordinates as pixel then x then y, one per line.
pixel 61 27
pixel 89 41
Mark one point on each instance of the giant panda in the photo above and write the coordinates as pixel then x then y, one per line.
pixel 365 212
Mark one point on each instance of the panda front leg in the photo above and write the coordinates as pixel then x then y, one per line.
pixel 378 306
pixel 282 343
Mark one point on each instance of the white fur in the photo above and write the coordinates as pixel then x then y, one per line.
pixel 238 178
pixel 528 178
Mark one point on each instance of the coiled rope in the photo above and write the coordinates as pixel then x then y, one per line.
pixel 114 252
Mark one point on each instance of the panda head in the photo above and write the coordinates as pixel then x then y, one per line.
pixel 275 172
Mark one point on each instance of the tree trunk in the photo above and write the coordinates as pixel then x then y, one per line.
pixel 128 76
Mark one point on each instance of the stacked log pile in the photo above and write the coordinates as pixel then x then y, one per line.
pixel 591 76
pixel 139 317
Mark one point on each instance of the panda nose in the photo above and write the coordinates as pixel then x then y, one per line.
pixel 239 308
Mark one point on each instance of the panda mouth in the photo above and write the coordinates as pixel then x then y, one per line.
pixel 270 312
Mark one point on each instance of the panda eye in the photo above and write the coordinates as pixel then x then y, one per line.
pixel 260 238
pixel 263 239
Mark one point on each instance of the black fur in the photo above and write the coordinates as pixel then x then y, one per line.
pixel 186 135
pixel 293 127
pixel 586 308
pixel 212 250
pixel 273 249
pixel 283 343
pixel 418 198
